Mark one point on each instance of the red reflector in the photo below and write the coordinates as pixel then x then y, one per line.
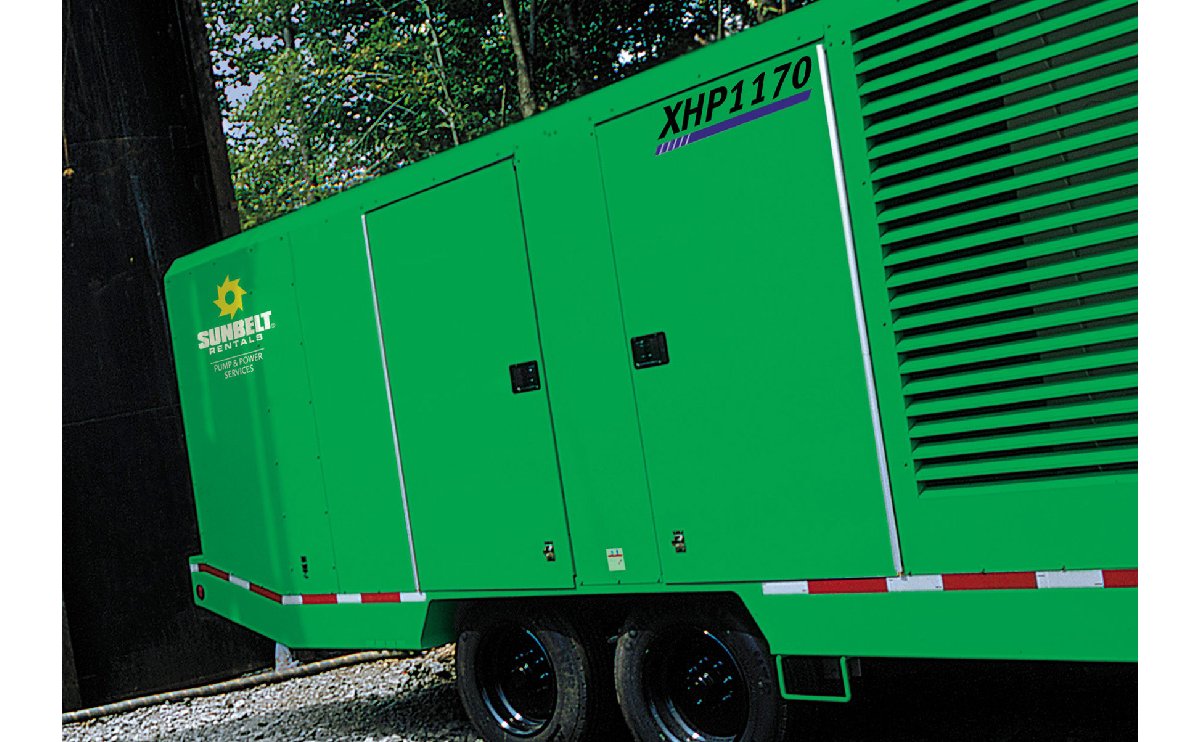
pixel 992 581
pixel 214 571
pixel 865 585
pixel 381 597
pixel 267 593
pixel 1120 578
pixel 200 592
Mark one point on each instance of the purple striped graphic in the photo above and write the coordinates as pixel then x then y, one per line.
pixel 708 131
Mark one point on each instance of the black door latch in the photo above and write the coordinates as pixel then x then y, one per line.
pixel 524 377
pixel 650 350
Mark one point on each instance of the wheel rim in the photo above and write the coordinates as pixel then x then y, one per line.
pixel 695 689
pixel 517 681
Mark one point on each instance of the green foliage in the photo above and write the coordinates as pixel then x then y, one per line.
pixel 319 95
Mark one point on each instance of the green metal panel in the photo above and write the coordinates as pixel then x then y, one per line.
pixel 337 314
pixel 479 463
pixel 758 434
pixel 595 419
pixel 251 429
pixel 992 168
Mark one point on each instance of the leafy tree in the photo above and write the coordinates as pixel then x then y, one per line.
pixel 319 95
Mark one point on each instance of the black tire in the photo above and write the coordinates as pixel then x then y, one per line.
pixel 697 675
pixel 524 675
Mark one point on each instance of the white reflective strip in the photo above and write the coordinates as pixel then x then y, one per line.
pixel 349 597
pixel 387 383
pixel 239 582
pixel 848 234
pixel 412 597
pixel 914 583
pixel 1072 578
pixel 292 600
pixel 797 587
pixel 193 567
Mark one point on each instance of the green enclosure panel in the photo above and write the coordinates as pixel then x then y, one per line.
pixel 260 493
pixel 595 421
pixel 341 341
pixel 992 165
pixel 456 309
pixel 757 431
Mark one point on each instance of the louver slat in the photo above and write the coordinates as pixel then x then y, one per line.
pixel 1010 136
pixel 1022 229
pixel 1036 439
pixel 962 79
pixel 1032 179
pixel 1048 102
pixel 1019 464
pixel 1027 300
pixel 1019 348
pixel 1024 394
pixel 1081 362
pixel 993 258
pixel 1002 144
pixel 1019 158
pixel 1091 65
pixel 921 44
pixel 1018 418
pixel 1040 321
pixel 934 226
pixel 1120 477
pixel 922 23
pixel 962 289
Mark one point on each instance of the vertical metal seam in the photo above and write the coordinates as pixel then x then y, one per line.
pixel 625 339
pixel 859 311
pixel 387 383
pixel 537 329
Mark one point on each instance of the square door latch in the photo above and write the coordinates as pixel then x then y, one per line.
pixel 650 350
pixel 525 377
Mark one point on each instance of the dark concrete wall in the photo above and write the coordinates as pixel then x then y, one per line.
pixel 145 180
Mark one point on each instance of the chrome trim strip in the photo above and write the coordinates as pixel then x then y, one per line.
pixel 1071 578
pixel 794 587
pixel 387 382
pixel 844 201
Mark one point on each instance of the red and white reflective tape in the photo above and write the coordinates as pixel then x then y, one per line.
pixel 937 583
pixel 309 599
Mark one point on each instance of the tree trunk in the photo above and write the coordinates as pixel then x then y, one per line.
pixel 582 78
pixel 524 81
pixel 452 110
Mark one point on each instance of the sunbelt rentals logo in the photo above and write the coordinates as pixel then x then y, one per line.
pixel 233 339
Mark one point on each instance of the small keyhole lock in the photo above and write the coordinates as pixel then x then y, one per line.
pixel 548 551
pixel 678 542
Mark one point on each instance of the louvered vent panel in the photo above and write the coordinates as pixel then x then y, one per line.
pixel 1002 139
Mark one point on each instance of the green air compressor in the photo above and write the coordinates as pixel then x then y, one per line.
pixel 818 343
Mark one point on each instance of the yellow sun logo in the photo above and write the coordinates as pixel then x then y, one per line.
pixel 229 297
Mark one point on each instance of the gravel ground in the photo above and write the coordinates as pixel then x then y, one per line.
pixel 895 701
pixel 401 700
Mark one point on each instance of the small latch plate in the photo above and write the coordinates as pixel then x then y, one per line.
pixel 678 542
pixel 524 377
pixel 548 551
pixel 650 350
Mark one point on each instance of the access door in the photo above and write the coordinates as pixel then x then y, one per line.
pixel 743 339
pixel 468 385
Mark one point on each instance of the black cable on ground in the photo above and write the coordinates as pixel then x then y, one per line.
pixel 226 686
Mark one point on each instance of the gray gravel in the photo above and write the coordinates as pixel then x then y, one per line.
pixel 398 700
